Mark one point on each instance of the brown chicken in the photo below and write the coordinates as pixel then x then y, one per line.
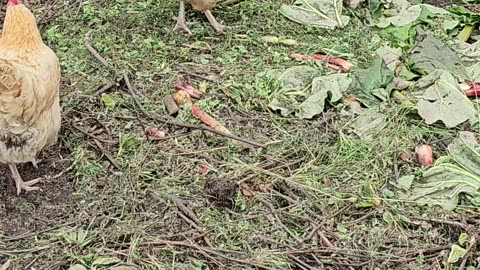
pixel 29 92
pixel 200 5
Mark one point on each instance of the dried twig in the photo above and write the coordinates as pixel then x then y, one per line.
pixel 97 55
pixel 110 158
pixel 22 251
pixel 23 236
pixel 211 251
pixel 93 136
pixel 105 88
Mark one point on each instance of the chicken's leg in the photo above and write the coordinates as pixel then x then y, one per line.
pixel 181 22
pixel 27 186
pixel 213 22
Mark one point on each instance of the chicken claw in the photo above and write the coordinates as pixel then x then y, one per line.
pixel 181 22
pixel 20 184
pixel 213 22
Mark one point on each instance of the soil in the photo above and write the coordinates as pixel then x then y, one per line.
pixel 220 192
pixel 444 4
pixel 36 210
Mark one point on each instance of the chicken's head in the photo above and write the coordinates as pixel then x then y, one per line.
pixel 14 2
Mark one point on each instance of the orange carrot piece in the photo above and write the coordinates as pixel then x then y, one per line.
pixel 208 120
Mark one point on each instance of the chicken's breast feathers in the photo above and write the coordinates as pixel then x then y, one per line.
pixel 22 97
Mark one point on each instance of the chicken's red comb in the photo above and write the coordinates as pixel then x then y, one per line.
pixel 14 2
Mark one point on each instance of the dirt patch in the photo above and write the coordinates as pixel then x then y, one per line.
pixel 221 192
pixel 445 4
pixel 34 211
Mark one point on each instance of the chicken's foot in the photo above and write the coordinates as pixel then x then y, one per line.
pixel 19 183
pixel 35 162
pixel 181 22
pixel 213 22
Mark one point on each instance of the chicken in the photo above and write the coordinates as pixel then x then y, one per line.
pixel 29 93
pixel 200 5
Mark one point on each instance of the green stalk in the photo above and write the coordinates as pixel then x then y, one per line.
pixel 466 32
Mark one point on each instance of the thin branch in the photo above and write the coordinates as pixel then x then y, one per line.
pixel 97 55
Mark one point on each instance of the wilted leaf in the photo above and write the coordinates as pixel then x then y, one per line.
pixel 456 253
pixel 390 56
pixel 329 88
pixel 181 97
pixel 247 192
pixel 369 85
pixel 319 13
pixel 296 78
pixel 431 54
pixel 452 175
pixel 406 156
pixel 124 267
pixel 412 14
pixel 306 98
pixel 443 100
pixel 108 101
pixel 406 181
pixel 77 267
pixel 102 261
pixel 368 124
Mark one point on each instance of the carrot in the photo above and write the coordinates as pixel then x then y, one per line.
pixel 473 90
pixel 424 155
pixel 333 62
pixel 154 132
pixel 208 120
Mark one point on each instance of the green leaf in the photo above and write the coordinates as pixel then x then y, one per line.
pixel 105 261
pixel 319 13
pixel 304 95
pixel 411 14
pixel 462 238
pixel 342 229
pixel 329 88
pixel 369 85
pixel 443 100
pixel 431 54
pixel 456 253
pixel 451 176
pixel 108 101
pixel 464 15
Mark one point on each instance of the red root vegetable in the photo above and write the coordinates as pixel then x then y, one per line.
pixel 332 61
pixel 154 132
pixel 471 89
pixel 424 155
pixel 208 120
pixel 203 170
pixel 192 91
